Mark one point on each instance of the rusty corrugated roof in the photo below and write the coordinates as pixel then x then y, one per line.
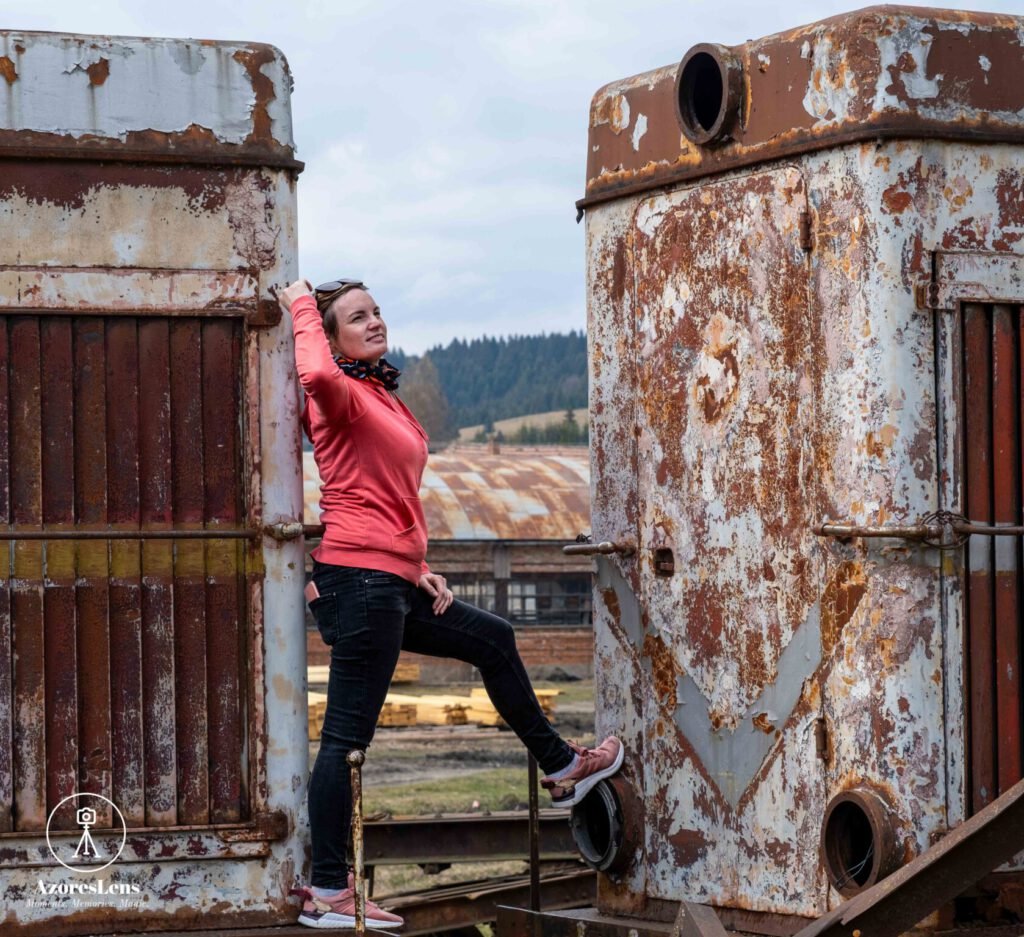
pixel 536 493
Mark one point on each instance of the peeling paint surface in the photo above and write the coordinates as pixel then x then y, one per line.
pixel 881 72
pixel 747 383
pixel 151 392
pixel 94 89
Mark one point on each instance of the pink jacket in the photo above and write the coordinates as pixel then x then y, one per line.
pixel 370 451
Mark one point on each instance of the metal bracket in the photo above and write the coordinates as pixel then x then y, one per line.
pixel 284 530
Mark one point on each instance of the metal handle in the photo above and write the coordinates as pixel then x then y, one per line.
pixel 943 529
pixel 622 547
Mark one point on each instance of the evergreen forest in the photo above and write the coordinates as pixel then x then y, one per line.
pixel 488 379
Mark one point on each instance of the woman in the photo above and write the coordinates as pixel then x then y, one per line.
pixel 373 593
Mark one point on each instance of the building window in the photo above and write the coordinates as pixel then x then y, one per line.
pixel 529 600
pixel 478 592
pixel 550 600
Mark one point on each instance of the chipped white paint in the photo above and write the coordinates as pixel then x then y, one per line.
pixel 167 85
pixel 904 52
pixel 639 129
pixel 832 85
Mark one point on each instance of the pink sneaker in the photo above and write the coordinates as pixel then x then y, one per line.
pixel 595 764
pixel 340 911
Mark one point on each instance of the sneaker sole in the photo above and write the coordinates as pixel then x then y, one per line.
pixel 333 921
pixel 587 784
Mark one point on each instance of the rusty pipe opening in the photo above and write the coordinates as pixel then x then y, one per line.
pixel 604 825
pixel 858 841
pixel 709 84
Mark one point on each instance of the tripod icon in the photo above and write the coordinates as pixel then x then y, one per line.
pixel 86 817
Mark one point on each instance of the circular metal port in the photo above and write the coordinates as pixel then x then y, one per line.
pixel 709 84
pixel 604 823
pixel 858 841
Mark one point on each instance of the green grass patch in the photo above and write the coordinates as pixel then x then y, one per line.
pixel 491 789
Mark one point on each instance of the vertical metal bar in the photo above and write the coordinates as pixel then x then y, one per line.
pixel 951 457
pixel 355 760
pixel 1006 512
pixel 92 562
pixel 532 780
pixel 980 600
pixel 125 568
pixel 58 501
pixel 189 572
pixel 29 742
pixel 6 658
pixel 221 345
pixel 155 512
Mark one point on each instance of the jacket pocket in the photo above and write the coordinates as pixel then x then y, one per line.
pixel 325 613
pixel 412 541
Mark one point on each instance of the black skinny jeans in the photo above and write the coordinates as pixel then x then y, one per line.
pixel 367 617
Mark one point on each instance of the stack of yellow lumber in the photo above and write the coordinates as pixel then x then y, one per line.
pixel 403 710
pixel 435 710
pixel 397 714
pixel 404 673
pixel 317 708
pixel 482 711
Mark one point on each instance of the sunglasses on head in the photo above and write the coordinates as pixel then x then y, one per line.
pixel 327 292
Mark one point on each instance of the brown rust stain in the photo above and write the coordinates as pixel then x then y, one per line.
pixel 663 670
pixel 688 846
pixel 98 72
pixel 717 393
pixel 70 184
pixel 611 601
pixel 8 69
pixel 763 722
pixel 839 602
pixel 252 60
pixel 878 444
pixel 896 201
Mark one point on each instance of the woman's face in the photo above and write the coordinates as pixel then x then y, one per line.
pixel 358 330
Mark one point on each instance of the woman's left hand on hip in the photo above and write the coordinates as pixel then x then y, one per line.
pixel 436 586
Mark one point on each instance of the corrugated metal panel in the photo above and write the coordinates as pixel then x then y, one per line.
pixel 91 589
pixel 991 440
pixel 516 494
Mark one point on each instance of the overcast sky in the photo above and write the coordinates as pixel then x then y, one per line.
pixel 445 142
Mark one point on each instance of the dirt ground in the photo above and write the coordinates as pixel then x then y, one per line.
pixel 437 753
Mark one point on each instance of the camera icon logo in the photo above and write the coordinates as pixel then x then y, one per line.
pixel 101 832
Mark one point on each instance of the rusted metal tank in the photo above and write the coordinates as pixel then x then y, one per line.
pixel 805 282
pixel 151 644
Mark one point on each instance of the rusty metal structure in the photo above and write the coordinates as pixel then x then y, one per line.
pixel 805 283
pixel 150 481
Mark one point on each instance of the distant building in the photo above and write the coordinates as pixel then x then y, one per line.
pixel 498 519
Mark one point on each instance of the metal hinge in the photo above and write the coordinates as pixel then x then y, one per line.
pixel 806 232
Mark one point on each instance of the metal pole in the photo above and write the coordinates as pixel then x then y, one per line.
pixel 355 760
pixel 534 834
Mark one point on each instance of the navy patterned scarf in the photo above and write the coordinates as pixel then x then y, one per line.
pixel 381 372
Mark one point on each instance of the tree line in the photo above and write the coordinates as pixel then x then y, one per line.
pixel 487 379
